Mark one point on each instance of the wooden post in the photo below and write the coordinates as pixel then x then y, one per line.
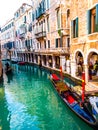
pixel 83 86
pixel 61 74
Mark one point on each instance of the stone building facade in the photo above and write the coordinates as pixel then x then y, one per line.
pixel 84 37
pixel 51 33
pixel 7 38
pixel 23 35
pixel 48 42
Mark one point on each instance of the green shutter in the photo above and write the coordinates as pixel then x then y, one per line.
pixel 32 17
pixel 76 27
pixel 97 18
pixel 71 29
pixel 89 21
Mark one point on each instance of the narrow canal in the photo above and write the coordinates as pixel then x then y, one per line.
pixel 28 101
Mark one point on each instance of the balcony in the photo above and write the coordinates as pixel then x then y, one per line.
pixel 22 35
pixel 40 34
pixel 40 10
pixel 23 28
pixel 54 51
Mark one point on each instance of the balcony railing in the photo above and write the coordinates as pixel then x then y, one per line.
pixel 54 51
pixel 23 28
pixel 22 35
pixel 40 34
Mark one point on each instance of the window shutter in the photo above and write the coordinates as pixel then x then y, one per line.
pixel 26 43
pixel 25 19
pixel 76 27
pixel 56 43
pixel 48 43
pixel 61 42
pixel 47 4
pixel 89 21
pixel 97 18
pixel 32 17
pixel 72 29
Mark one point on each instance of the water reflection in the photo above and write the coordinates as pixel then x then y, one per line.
pixel 4 122
pixel 31 103
pixel 9 77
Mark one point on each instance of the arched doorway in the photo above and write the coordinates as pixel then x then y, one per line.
pixel 44 60
pixel 79 64
pixel 57 62
pixel 93 66
pixel 50 61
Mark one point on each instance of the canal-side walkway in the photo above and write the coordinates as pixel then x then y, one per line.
pixel 90 87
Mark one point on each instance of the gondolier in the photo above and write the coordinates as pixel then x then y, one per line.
pixel 7 68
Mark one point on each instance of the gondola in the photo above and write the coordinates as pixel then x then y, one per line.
pixel 73 101
pixel 21 63
pixel 8 68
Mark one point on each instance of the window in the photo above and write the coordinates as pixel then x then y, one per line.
pixel 68 42
pixel 25 19
pixel 47 3
pixel 57 44
pixel 36 13
pixel 44 27
pixel 48 43
pixel 44 44
pixel 92 19
pixel 68 18
pixel 48 26
pixel 37 45
pixel 31 42
pixel 74 28
pixel 32 17
pixel 58 19
pixel 40 46
pixel 22 10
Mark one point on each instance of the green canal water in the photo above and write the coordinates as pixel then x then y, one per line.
pixel 28 101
